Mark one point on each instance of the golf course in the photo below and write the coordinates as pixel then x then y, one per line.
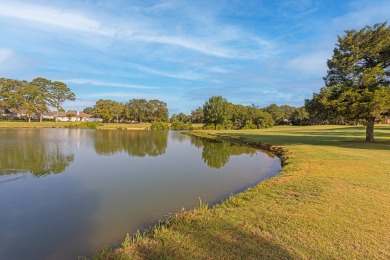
pixel 331 201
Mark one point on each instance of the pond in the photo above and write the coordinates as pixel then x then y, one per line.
pixel 66 193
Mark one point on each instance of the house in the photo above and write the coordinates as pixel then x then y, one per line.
pixel 69 116
pixel 387 119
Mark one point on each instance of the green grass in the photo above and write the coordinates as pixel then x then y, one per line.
pixel 138 126
pixel 331 201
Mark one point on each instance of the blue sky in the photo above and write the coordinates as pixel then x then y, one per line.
pixel 181 52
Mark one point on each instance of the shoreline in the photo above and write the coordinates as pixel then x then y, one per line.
pixel 291 215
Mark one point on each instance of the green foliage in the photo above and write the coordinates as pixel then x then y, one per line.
pixel 300 116
pixel 108 110
pixel 127 242
pixel 197 116
pixel 89 110
pixel 179 125
pixel 159 126
pixel 281 115
pixel 217 111
pixel 58 94
pixel 249 125
pixel 33 98
pixel 358 78
pixel 87 125
pixel 180 117
pixel 141 110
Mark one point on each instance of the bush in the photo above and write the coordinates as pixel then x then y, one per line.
pixel 159 126
pixel 88 125
pixel 180 125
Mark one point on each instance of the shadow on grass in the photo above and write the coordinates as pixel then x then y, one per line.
pixel 218 239
pixel 346 137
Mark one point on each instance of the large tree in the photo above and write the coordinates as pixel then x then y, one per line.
pixel 108 110
pixel 10 94
pixel 135 110
pixel 42 86
pixel 358 78
pixel 216 111
pixel 197 115
pixel 58 94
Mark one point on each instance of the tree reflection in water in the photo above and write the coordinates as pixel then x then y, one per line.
pixel 216 154
pixel 29 151
pixel 135 143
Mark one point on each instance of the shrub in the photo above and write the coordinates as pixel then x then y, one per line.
pixel 180 125
pixel 159 126
pixel 88 125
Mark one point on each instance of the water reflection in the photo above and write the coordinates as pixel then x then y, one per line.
pixel 135 143
pixel 98 199
pixel 28 151
pixel 217 154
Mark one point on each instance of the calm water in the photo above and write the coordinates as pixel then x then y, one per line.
pixel 68 192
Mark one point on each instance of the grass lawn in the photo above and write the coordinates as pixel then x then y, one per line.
pixel 332 201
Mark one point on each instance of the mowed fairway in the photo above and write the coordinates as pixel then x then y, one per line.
pixel 332 201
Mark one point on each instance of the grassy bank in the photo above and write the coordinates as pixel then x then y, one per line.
pixel 332 201
pixel 46 124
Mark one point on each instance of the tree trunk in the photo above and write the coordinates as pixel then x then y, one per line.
pixel 57 116
pixel 370 130
pixel 41 117
pixel 215 126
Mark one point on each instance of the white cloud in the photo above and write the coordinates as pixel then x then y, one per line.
pixel 131 95
pixel 106 84
pixel 11 63
pixel 312 64
pixel 50 16
pixel 212 38
pixel 363 15
pixel 5 54
pixel 189 75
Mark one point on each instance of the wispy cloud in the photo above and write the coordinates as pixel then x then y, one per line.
pixel 67 19
pixel 91 82
pixel 189 75
pixel 217 40
pixel 311 63
pixel 5 54
pixel 362 15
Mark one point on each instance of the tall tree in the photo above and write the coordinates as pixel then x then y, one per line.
pixel 157 111
pixel 58 94
pixel 277 114
pixel 117 109
pixel 216 111
pixel 358 78
pixel 10 94
pixel 135 110
pixel 42 86
pixel 108 110
pixel 197 115
pixel 89 110
pixel 31 99
pixel 299 116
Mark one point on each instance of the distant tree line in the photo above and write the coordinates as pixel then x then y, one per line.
pixel 136 110
pixel 218 113
pixel 33 98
